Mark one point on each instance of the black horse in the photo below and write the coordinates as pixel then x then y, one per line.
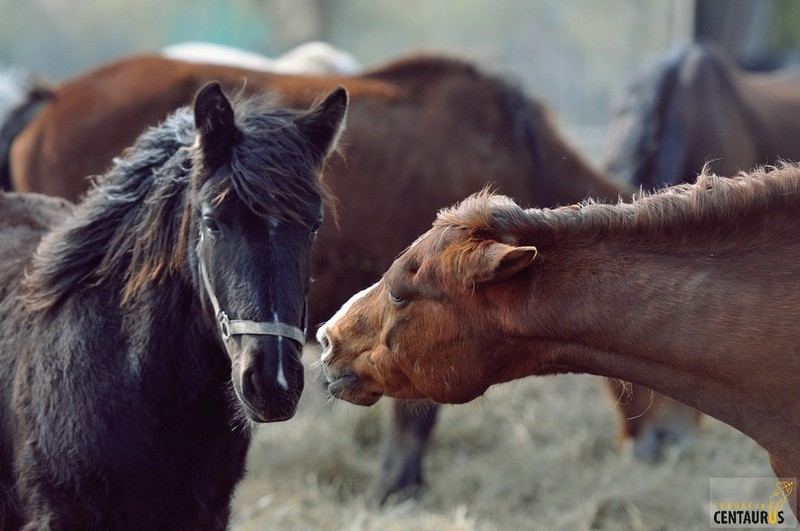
pixel 146 328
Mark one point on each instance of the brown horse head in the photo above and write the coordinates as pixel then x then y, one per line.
pixel 686 291
pixel 430 327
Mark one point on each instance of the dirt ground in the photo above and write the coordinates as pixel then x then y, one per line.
pixel 538 454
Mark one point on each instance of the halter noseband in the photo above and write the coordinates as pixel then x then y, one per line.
pixel 234 327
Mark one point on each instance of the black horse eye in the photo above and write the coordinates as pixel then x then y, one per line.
pixel 210 224
pixel 315 229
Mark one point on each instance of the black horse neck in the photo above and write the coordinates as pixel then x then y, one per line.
pixel 176 339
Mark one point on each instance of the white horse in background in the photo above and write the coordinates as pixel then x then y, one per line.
pixel 314 58
pixel 14 86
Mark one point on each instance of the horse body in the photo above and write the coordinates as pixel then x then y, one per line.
pixel 23 221
pixel 687 292
pixel 120 452
pixel 126 404
pixel 688 108
pixel 691 107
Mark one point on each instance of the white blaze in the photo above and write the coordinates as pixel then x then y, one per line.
pixel 280 378
pixel 338 315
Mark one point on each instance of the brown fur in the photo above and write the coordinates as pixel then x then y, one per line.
pixel 687 291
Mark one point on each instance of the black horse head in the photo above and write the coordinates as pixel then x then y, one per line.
pixel 184 268
pixel 256 208
pixel 226 204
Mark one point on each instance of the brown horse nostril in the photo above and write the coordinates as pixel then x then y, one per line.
pixel 323 340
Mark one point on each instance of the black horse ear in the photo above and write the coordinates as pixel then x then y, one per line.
pixel 215 123
pixel 324 123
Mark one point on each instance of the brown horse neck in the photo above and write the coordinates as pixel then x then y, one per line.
pixel 713 330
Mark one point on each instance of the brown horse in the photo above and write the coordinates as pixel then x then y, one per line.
pixel 686 108
pixel 691 106
pixel 422 133
pixel 689 292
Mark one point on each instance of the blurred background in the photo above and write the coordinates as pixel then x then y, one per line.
pixel 575 55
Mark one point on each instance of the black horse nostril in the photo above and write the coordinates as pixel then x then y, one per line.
pixel 254 381
pixel 250 382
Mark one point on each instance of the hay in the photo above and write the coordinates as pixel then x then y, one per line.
pixel 537 454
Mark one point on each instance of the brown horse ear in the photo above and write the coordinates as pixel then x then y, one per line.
pixel 324 123
pixel 215 124
pixel 499 261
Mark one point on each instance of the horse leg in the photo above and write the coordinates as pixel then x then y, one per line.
pixel 401 468
pixel 652 422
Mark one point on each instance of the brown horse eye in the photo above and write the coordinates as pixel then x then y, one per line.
pixel 395 299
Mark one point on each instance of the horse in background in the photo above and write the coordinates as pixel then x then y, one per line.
pixel 692 106
pixel 422 132
pixel 14 86
pixel 311 58
pixel 689 291
pixel 138 342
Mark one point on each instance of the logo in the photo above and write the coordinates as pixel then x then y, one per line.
pixel 753 503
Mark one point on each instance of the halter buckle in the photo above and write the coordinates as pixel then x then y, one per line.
pixel 224 325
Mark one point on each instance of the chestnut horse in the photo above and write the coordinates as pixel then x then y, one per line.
pixel 138 341
pixel 422 133
pixel 692 106
pixel 689 107
pixel 689 291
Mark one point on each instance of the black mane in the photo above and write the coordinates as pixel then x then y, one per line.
pixel 133 223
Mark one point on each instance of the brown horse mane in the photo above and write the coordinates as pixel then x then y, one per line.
pixel 133 223
pixel 679 214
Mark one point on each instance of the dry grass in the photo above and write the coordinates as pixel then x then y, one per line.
pixel 537 454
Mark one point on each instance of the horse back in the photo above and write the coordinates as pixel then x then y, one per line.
pixel 95 116
pixel 89 120
pixel 24 219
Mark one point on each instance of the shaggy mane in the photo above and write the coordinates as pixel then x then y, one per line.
pixel 674 214
pixel 133 224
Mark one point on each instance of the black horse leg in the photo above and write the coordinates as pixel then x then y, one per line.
pixel 401 468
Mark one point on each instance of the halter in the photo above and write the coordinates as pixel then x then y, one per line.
pixel 234 327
